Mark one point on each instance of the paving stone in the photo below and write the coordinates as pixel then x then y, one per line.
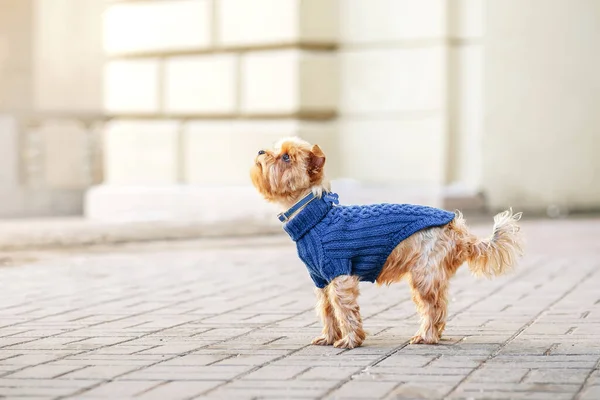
pixel 155 321
pixel 410 375
pixel 572 375
pixel 120 389
pixel 170 372
pixel 102 372
pixel 194 360
pixel 179 390
pixel 111 360
pixel 508 375
pixel 284 389
pixel 44 371
pixel 23 392
pixel 529 395
pixel 326 374
pixel 42 387
pixel 591 393
pixel 520 387
pixel 275 372
pixel 420 390
pixel 363 390
pixel 31 358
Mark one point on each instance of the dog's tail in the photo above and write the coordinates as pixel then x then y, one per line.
pixel 498 253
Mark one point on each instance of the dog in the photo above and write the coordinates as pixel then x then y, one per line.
pixel 382 243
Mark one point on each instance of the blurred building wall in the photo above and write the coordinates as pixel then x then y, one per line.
pixel 199 86
pixel 51 113
pixel 542 101
pixel 430 101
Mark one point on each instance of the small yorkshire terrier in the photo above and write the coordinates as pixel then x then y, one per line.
pixel 382 243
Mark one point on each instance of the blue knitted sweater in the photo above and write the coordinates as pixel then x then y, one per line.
pixel 337 240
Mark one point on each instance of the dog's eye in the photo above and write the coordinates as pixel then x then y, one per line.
pixel 285 158
pixel 261 152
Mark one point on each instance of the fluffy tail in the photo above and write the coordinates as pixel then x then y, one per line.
pixel 498 253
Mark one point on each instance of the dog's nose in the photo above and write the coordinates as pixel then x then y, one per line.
pixel 261 152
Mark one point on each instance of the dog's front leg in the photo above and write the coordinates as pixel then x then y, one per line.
pixel 331 331
pixel 343 293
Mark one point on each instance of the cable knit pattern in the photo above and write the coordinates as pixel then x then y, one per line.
pixel 355 240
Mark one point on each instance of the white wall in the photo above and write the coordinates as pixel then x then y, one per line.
pixel 393 60
pixel 51 63
pixel 542 104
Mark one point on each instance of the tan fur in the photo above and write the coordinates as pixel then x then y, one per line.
pixel 342 293
pixel 428 259
pixel 287 182
pixel 331 331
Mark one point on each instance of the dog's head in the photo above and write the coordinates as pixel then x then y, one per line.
pixel 288 171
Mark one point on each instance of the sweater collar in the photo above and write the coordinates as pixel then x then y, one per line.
pixel 313 212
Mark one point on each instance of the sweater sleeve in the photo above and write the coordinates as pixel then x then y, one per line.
pixel 332 268
pixel 318 281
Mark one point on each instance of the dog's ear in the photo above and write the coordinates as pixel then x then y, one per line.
pixel 316 160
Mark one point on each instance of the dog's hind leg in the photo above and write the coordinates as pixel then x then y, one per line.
pixel 429 279
pixel 432 304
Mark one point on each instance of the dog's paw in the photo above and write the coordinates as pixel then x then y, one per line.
pixel 418 339
pixel 348 342
pixel 323 340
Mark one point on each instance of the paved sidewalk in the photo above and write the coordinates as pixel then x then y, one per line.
pixel 62 232
pixel 233 319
